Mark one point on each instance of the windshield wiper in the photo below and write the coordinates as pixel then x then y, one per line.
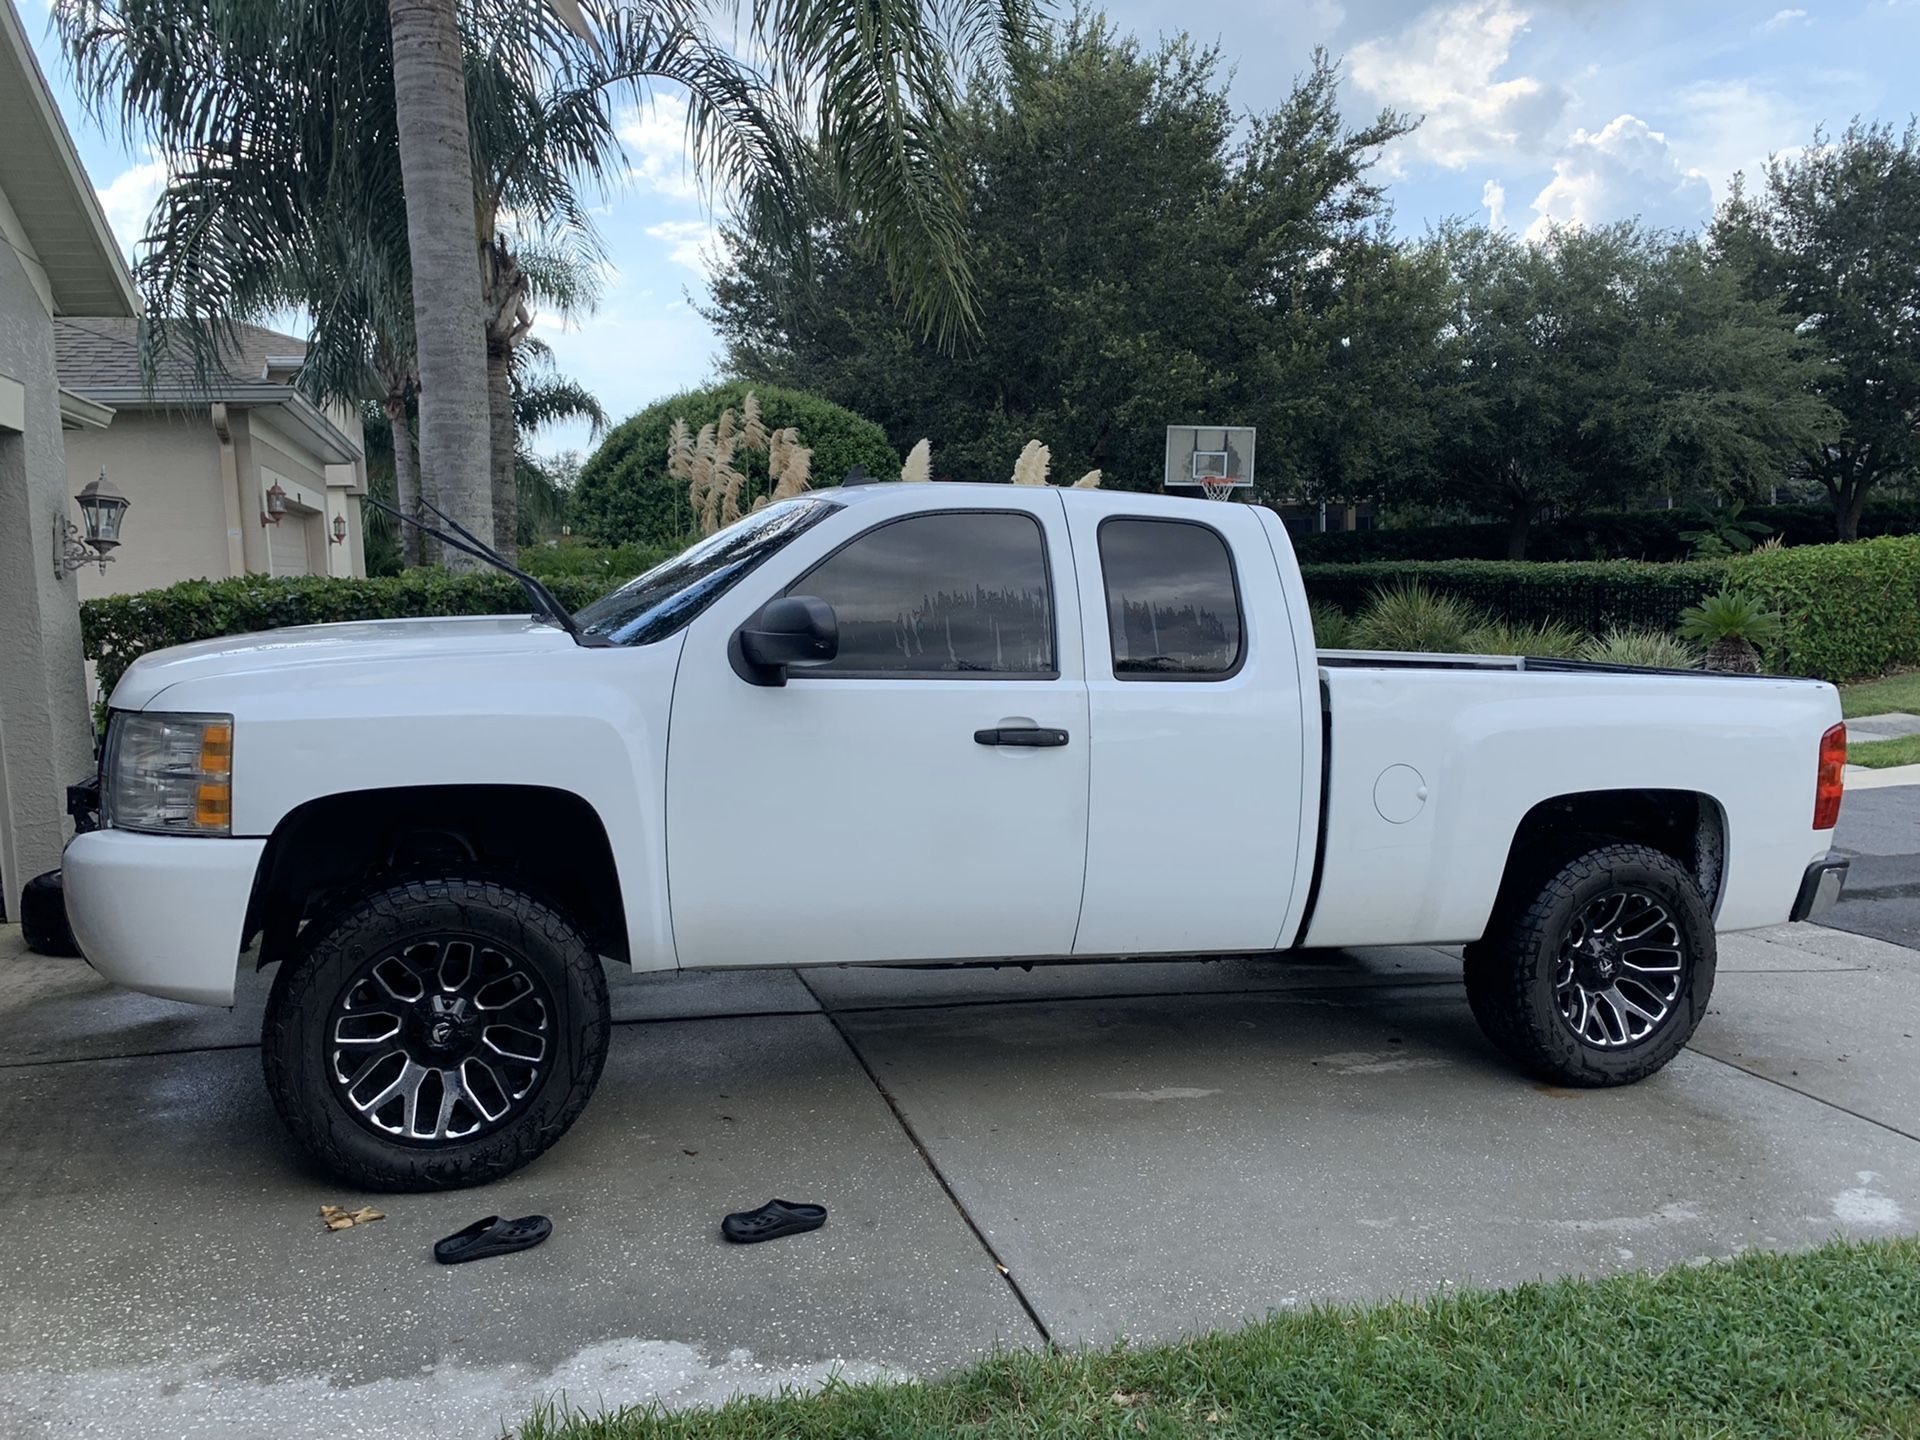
pixel 545 605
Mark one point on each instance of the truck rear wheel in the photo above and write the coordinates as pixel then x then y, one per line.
pixel 435 1034
pixel 1597 972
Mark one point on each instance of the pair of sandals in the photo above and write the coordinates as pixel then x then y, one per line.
pixel 494 1236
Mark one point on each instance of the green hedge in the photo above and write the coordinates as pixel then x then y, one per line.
pixel 626 497
pixel 116 631
pixel 1592 596
pixel 1850 610
pixel 1626 534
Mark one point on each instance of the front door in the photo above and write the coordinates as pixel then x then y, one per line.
pixel 891 804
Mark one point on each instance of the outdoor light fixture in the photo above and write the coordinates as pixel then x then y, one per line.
pixel 339 529
pixel 102 507
pixel 276 505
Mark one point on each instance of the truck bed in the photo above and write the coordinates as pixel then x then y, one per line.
pixel 1430 756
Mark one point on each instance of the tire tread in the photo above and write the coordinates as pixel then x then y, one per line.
pixel 301 1095
pixel 1504 972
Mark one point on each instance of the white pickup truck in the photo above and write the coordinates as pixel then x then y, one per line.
pixel 911 723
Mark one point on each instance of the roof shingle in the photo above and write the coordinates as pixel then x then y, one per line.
pixel 100 354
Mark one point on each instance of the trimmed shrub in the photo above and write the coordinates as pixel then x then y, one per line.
pixel 1409 616
pixel 118 630
pixel 618 563
pixel 1332 626
pixel 1625 534
pixel 1846 611
pixel 625 496
pixel 1592 597
pixel 1652 648
pixel 1547 640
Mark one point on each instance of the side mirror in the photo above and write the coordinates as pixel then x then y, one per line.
pixel 793 630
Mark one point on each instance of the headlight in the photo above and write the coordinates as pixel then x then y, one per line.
pixel 169 774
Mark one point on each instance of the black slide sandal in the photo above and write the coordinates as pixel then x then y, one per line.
pixel 771 1221
pixel 492 1236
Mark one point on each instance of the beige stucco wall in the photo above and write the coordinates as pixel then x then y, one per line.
pixel 168 464
pixel 197 502
pixel 46 739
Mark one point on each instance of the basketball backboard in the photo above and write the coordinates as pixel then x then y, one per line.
pixel 1214 458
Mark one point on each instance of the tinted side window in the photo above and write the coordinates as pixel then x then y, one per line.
pixel 1172 606
pixel 959 593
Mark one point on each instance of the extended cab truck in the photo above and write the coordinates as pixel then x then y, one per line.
pixel 911 723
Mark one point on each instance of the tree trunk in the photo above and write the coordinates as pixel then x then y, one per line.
pixel 501 450
pixel 1519 522
pixel 436 174
pixel 406 482
pixel 1847 507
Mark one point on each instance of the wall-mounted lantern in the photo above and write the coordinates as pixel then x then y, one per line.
pixel 276 505
pixel 339 529
pixel 102 507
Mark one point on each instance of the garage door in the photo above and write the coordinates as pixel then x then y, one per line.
pixel 287 544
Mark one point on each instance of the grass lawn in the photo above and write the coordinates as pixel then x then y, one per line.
pixel 1879 754
pixel 1877 697
pixel 1820 1344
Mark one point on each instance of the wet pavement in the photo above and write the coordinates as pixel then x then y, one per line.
pixel 1070 1153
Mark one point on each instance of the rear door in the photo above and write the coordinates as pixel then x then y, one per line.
pixel 1194 701
pixel 890 805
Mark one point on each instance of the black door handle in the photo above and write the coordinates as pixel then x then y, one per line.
pixel 1032 736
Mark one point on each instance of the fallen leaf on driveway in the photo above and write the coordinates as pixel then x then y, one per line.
pixel 335 1217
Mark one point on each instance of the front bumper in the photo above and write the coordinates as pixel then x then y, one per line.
pixel 1819 888
pixel 161 913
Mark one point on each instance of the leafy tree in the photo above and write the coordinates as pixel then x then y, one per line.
pixel 1600 363
pixel 1142 256
pixel 626 497
pixel 1834 237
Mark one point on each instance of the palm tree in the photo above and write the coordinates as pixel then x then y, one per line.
pixel 430 127
pixel 275 116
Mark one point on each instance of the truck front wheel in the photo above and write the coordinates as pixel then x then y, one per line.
pixel 1597 972
pixel 435 1033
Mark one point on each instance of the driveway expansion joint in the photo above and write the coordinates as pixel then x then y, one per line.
pixel 933 1169
pixel 1806 1094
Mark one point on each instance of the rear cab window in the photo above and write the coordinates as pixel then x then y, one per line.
pixel 1173 600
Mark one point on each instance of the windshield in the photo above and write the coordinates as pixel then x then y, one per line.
pixel 668 596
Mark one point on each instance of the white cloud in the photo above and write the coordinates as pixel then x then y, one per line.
pixel 655 135
pixel 1625 169
pixel 1446 66
pixel 1731 125
pixel 692 242
pixel 128 199
pixel 1493 196
pixel 1781 20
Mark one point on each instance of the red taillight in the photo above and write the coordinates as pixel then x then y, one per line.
pixel 1832 778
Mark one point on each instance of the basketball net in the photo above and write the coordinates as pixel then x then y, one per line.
pixel 1217 489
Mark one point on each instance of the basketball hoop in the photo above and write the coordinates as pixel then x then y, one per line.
pixel 1216 460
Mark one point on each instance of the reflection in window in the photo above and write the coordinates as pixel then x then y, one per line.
pixel 1172 608
pixel 962 593
pixel 666 598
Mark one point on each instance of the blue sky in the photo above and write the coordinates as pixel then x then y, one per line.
pixel 1536 110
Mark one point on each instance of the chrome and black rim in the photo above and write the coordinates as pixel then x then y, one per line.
pixel 442 1041
pixel 1620 969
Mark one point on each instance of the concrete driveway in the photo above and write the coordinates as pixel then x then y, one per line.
pixel 1073 1154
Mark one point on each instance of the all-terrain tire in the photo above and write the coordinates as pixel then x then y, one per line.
pixel 297 1049
pixel 1512 973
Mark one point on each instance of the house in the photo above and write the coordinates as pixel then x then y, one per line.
pixel 57 259
pixel 230 472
